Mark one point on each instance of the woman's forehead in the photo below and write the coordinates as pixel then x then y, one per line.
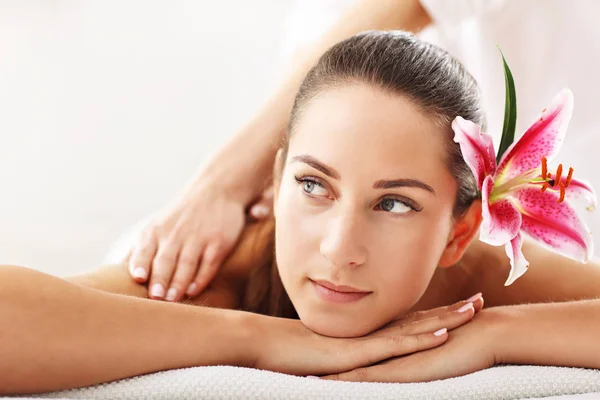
pixel 364 126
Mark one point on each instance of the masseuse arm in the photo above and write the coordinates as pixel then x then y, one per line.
pixel 251 153
pixel 192 229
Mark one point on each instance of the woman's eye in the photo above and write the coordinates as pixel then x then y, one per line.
pixel 312 187
pixel 308 186
pixel 394 206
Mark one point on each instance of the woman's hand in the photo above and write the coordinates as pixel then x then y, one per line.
pixel 469 348
pixel 292 348
pixel 181 249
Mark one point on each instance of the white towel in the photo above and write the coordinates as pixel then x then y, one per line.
pixel 225 382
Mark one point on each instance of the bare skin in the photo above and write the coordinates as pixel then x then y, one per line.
pixel 484 268
pixel 46 322
pixel 99 327
pixel 179 252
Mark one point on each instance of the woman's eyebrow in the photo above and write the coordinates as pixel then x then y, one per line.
pixel 385 184
pixel 380 184
pixel 316 164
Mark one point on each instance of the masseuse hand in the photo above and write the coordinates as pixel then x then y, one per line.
pixel 182 248
pixel 469 348
pixel 294 349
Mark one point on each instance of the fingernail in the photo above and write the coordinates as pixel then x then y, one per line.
pixel 312 377
pixel 465 307
pixel 191 289
pixel 260 211
pixel 474 297
pixel 171 294
pixel 440 332
pixel 157 290
pixel 139 273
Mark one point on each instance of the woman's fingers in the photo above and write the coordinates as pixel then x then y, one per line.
pixel 478 304
pixel 372 350
pixel 449 320
pixel 418 333
pixel 163 266
pixel 419 315
pixel 142 255
pixel 181 250
pixel 185 271
pixel 263 208
pixel 213 256
pixel 288 346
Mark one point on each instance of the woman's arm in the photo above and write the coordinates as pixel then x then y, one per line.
pixel 560 330
pixel 55 334
pixel 564 330
pixel 99 326
pixel 553 334
pixel 559 334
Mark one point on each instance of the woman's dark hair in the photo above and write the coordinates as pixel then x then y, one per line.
pixel 401 64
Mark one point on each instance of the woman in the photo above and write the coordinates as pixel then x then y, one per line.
pixel 182 246
pixel 374 209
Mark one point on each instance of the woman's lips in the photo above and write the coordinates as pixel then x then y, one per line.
pixel 337 294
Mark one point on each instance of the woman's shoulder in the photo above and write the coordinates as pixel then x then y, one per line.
pixel 254 248
pixel 227 289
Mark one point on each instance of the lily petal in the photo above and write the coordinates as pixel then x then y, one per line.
pixel 501 219
pixel 578 191
pixel 518 263
pixel 477 148
pixel 556 225
pixel 543 138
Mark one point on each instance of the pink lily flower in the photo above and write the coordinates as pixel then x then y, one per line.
pixel 520 195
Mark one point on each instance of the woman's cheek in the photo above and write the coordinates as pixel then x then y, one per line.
pixel 404 269
pixel 298 231
pixel 407 260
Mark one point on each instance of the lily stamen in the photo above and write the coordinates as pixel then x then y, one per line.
pixel 569 177
pixel 544 167
pixel 564 185
pixel 549 182
pixel 558 174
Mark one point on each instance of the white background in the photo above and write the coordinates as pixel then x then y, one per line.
pixel 108 107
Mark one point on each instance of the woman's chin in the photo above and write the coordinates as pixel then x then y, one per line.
pixel 337 327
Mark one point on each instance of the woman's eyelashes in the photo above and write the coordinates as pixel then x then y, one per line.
pixel 397 206
pixel 315 188
pixel 312 186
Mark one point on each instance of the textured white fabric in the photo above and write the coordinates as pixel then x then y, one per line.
pixel 501 383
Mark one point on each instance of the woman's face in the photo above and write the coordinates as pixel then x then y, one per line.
pixel 363 211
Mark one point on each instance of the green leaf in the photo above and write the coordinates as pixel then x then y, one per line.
pixel 510 111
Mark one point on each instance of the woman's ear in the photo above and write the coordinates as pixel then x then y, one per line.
pixel 464 230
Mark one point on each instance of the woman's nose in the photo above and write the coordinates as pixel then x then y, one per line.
pixel 343 244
